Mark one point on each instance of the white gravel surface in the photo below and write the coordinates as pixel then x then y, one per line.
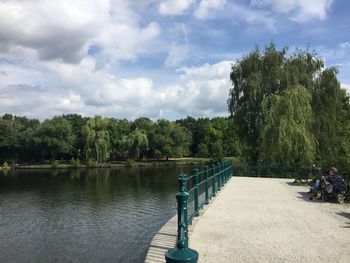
pixel 271 220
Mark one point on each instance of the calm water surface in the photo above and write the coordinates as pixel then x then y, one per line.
pixel 99 215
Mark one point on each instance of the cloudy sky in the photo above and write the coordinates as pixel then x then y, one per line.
pixel 159 59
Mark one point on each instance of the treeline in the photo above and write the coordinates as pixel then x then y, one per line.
pixel 108 139
pixel 290 108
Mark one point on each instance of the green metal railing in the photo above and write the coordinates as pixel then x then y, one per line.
pixel 261 169
pixel 195 191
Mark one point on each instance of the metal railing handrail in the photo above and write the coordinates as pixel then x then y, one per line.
pixel 190 192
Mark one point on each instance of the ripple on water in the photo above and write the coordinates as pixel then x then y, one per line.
pixel 104 216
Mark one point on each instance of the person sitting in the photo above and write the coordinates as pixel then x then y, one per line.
pixel 330 177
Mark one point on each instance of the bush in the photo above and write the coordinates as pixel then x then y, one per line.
pixel 130 163
pixel 75 163
pixel 54 164
pixel 91 163
pixel 5 166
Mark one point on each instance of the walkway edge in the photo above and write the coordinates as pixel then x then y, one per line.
pixel 164 240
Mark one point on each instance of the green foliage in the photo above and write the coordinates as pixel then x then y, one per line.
pixel 53 138
pixel 77 122
pixel 216 151
pixel 255 77
pixel 75 162
pixel 91 163
pixel 72 137
pixel 5 166
pixel 206 134
pixel 120 142
pixel 96 139
pixel 15 138
pixel 139 142
pixel 172 140
pixel 203 150
pixel 273 126
pixel 54 164
pixel 328 105
pixel 286 130
pixel 130 163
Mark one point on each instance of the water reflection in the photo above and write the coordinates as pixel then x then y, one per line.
pixel 96 215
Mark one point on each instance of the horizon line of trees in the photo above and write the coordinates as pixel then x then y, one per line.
pixel 100 139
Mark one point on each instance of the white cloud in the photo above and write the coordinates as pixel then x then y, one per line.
pixel 299 10
pixel 344 45
pixel 64 30
pixel 230 11
pixel 174 7
pixel 346 86
pixel 203 90
pixel 59 88
pixel 207 6
pixel 176 56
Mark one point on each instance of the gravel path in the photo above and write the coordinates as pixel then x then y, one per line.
pixel 271 220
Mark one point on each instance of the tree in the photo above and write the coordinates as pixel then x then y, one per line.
pixel 119 131
pixel 286 130
pixel 139 142
pixel 254 77
pixel 97 139
pixel 203 150
pixel 258 76
pixel 148 127
pixel 341 155
pixel 172 139
pixel 54 138
pixel 327 104
pixel 77 122
pixel 199 129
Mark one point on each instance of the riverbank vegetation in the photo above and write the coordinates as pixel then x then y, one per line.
pixel 76 141
pixel 285 108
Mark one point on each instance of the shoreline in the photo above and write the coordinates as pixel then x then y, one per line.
pixel 48 166
pixel 131 164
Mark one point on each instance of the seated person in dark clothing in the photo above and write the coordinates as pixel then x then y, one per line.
pixel 332 176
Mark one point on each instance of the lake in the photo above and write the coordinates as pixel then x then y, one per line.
pixel 89 215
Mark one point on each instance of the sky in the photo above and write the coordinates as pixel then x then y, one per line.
pixel 150 58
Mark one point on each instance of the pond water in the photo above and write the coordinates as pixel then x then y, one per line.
pixel 90 215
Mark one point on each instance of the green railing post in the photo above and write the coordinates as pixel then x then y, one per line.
pixel 218 175
pixel 196 192
pixel 182 253
pixel 213 179
pixel 229 164
pixel 231 172
pixel 223 173
pixel 206 185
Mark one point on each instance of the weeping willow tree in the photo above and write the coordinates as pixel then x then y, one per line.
pixel 96 139
pixel 139 142
pixel 286 127
pixel 328 106
pixel 265 78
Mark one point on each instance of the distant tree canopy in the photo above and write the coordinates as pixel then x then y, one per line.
pixel 107 139
pixel 288 108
